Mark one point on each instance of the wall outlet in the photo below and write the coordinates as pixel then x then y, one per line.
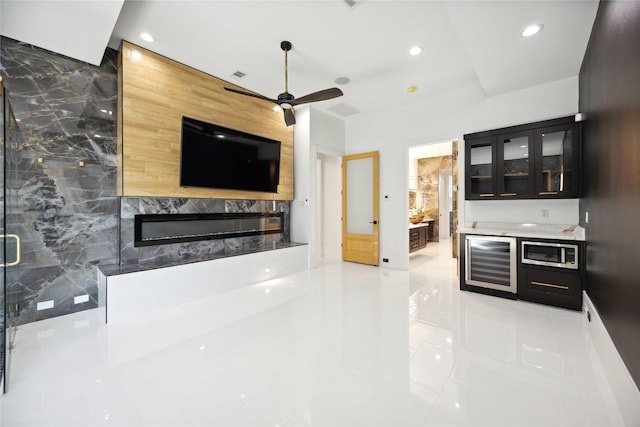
pixel 586 217
pixel 45 305
pixel 544 213
pixel 80 299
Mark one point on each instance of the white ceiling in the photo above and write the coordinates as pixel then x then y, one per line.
pixel 465 42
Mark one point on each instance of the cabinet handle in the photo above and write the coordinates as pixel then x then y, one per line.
pixel 546 193
pixel 508 194
pixel 487 195
pixel 549 285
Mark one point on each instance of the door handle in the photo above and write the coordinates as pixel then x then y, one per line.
pixel 373 222
pixel 18 252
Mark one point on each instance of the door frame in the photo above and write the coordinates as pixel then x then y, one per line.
pixel 316 215
pixel 454 151
pixel 443 190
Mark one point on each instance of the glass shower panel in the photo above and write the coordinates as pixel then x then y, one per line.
pixel 11 243
pixel 3 341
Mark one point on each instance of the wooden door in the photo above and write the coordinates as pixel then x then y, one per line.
pixel 360 199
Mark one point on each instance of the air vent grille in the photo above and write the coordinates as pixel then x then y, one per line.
pixel 352 3
pixel 343 110
pixel 239 75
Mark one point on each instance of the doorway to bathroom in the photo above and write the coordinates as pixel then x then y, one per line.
pixel 433 172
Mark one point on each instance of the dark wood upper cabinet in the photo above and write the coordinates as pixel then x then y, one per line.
pixel 534 160
pixel 557 153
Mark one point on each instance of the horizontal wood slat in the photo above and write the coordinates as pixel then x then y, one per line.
pixel 154 93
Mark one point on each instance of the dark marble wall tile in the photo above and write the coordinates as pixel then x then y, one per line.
pixel 66 213
pixel 131 206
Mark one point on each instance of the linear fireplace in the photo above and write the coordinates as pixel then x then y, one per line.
pixel 161 229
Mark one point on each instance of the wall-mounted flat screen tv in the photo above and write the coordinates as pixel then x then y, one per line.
pixel 213 156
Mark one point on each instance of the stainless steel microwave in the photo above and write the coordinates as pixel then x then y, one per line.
pixel 561 255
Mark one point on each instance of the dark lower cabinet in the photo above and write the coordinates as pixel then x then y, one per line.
pixel 430 227
pixel 418 237
pixel 552 286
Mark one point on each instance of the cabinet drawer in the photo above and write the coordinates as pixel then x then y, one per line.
pixel 551 286
pixel 413 234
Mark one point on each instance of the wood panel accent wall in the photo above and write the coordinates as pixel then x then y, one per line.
pixel 610 102
pixel 154 93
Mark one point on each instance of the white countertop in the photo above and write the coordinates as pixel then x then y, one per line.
pixel 425 222
pixel 540 231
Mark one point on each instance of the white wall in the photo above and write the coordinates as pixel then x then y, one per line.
pixel 446 117
pixel 563 211
pixel 328 202
pixel 301 214
pixel 315 132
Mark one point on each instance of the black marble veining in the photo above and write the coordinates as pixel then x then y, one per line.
pixel 65 211
pixel 188 251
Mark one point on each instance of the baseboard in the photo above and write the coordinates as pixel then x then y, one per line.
pixel 622 385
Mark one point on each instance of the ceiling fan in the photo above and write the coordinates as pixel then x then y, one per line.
pixel 285 100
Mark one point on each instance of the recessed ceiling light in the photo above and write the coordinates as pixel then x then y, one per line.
pixel 532 29
pixel 415 50
pixel 342 80
pixel 146 37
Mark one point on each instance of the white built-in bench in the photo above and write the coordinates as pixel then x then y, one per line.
pixel 127 291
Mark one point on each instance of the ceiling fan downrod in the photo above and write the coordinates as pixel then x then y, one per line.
pixel 286 46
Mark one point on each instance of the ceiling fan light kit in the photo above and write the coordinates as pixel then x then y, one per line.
pixel 287 101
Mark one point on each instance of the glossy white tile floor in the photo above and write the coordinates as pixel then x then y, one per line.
pixel 341 345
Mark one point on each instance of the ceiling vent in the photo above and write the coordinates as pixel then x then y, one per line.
pixel 343 110
pixel 238 75
pixel 351 4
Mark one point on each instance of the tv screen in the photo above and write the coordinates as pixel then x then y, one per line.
pixel 213 156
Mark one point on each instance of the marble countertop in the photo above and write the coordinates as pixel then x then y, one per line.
pixel 540 231
pixel 112 270
pixel 424 223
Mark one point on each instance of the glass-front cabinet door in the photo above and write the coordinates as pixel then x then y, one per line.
pixel 481 168
pixel 514 168
pixel 557 154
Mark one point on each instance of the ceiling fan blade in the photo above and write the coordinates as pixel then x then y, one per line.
pixel 289 118
pixel 321 95
pixel 254 95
